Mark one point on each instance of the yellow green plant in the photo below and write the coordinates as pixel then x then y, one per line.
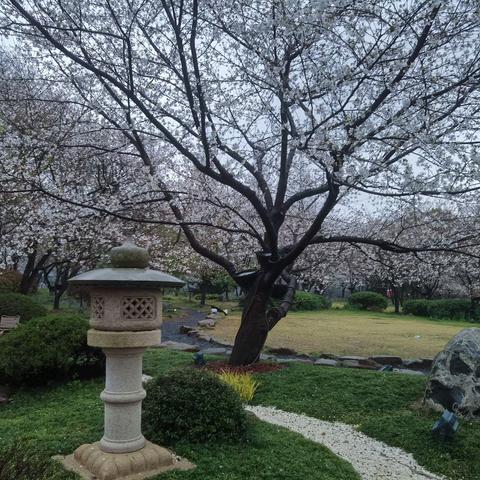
pixel 243 383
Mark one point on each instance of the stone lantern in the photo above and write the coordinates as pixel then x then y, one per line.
pixel 126 315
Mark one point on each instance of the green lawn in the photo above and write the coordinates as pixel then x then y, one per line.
pixel 354 332
pixel 59 418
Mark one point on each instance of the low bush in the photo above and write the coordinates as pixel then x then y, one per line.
pixel 446 308
pixel 368 301
pixel 243 383
pixel 193 406
pixel 23 461
pixel 48 348
pixel 9 281
pixel 451 308
pixel 22 305
pixel 416 307
pixel 309 301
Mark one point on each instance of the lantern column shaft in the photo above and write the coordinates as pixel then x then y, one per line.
pixel 123 397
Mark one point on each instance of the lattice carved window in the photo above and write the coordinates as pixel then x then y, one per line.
pixel 138 308
pixel 98 307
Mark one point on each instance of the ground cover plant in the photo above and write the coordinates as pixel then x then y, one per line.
pixel 354 332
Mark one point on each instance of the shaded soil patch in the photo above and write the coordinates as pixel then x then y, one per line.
pixel 261 367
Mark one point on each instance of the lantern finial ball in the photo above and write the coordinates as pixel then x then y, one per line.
pixel 128 255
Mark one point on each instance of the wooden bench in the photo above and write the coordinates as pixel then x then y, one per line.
pixel 8 323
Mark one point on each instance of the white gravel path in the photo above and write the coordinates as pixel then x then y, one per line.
pixel 372 459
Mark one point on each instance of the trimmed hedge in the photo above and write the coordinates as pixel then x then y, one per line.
pixel 49 348
pixel 309 301
pixel 446 308
pixel 12 304
pixel 416 307
pixel 193 406
pixel 368 301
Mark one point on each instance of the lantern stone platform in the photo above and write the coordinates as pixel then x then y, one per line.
pixel 126 315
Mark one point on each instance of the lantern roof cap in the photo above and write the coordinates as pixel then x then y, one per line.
pixel 129 269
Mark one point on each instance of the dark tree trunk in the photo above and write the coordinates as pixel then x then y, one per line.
pixel 203 293
pixel 29 275
pixel 258 319
pixel 254 326
pixel 56 299
pixel 396 299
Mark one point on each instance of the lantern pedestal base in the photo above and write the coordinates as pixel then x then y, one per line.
pixel 90 462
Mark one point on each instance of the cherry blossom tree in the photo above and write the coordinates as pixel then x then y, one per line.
pixel 246 115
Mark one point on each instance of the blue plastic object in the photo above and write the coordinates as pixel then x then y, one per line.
pixel 199 359
pixel 447 426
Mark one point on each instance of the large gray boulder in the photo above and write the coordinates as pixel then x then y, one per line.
pixel 454 382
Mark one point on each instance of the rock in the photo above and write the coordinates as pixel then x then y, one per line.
pixel 331 356
pixel 358 362
pixel 422 364
pixel 207 323
pixel 328 362
pixel 264 356
pixel 186 330
pixel 355 364
pixel 146 378
pixel 290 360
pixel 282 351
pixel 204 336
pixel 408 372
pixel 194 332
pixel 454 382
pixel 184 347
pixel 387 360
pixel 214 351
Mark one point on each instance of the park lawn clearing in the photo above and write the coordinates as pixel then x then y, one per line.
pixel 59 418
pixel 354 332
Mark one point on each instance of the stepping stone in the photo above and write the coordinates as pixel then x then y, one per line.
pixel 408 372
pixel 327 362
pixel 183 347
pixel 419 364
pixel 186 329
pixel 357 362
pixel 214 351
pixel 207 323
pixel 387 360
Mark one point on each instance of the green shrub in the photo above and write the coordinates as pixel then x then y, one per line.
pixel 49 348
pixel 450 308
pixel 309 301
pixel 416 307
pixel 368 301
pixel 446 308
pixel 9 281
pixel 18 304
pixel 194 406
pixel 22 461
